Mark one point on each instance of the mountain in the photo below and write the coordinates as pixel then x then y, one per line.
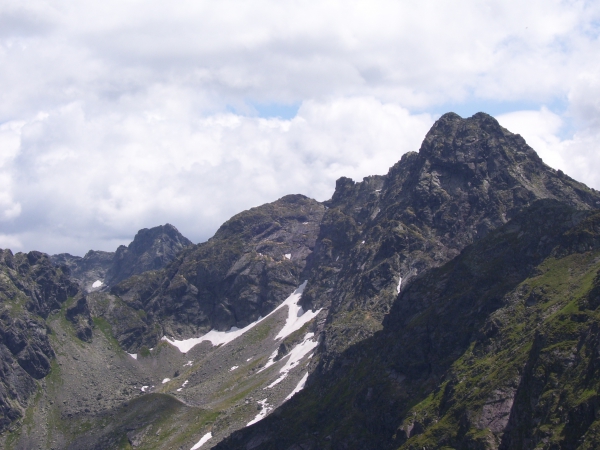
pixel 497 349
pixel 469 177
pixel 450 303
pixel 150 249
pixel 243 272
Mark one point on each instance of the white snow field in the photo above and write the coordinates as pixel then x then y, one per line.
pixel 97 284
pixel 296 318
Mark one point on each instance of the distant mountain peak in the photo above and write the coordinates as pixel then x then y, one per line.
pixel 151 249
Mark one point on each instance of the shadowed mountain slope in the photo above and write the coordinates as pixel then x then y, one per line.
pixel 497 349
pixel 30 289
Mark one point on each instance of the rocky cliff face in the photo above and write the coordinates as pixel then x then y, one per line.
pixel 30 289
pixel 87 270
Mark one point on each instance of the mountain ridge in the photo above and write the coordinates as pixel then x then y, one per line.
pixel 470 176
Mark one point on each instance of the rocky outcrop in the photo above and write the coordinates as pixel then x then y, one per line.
pixel 79 315
pixel 31 287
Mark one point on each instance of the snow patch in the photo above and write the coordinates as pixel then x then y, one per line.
pixel 298 387
pixel 266 409
pixel 249 359
pixel 296 318
pixel 133 355
pixel 166 380
pixel 295 356
pixel 97 284
pixel 189 363
pixel 270 362
pixel 288 255
pixel 202 441
pixel 224 337
pixel 233 368
pixel 399 284
pixel 143 388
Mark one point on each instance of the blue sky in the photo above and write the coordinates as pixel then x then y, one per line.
pixel 276 110
pixel 120 115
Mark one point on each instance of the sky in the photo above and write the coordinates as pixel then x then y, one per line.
pixel 128 114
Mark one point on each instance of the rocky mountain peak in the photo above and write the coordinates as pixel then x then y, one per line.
pixel 473 139
pixel 150 249
pixel 469 177
pixel 481 149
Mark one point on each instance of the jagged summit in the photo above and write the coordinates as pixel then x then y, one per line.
pixel 469 177
pixel 479 151
pixel 151 249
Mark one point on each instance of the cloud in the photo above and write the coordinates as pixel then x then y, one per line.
pixel 540 129
pixel 103 176
pixel 414 53
pixel 128 114
pixel 578 156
